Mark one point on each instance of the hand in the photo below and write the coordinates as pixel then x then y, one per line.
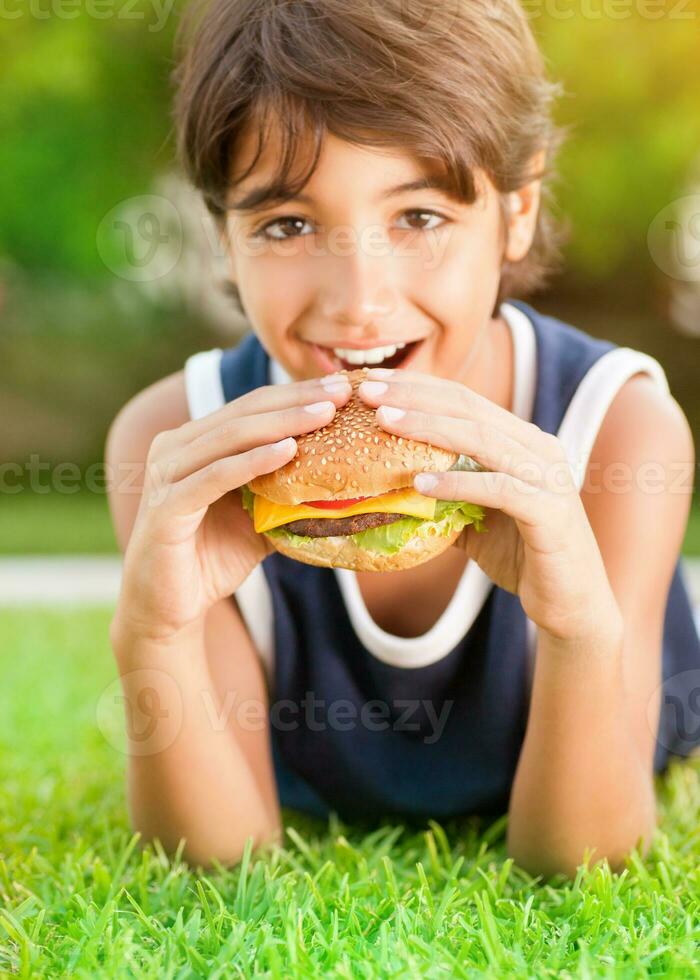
pixel 192 542
pixel 538 542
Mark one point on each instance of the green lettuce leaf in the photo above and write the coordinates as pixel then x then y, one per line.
pixel 247 497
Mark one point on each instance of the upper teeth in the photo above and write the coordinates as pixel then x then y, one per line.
pixel 372 356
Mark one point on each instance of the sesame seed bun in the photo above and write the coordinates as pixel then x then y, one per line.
pixel 352 456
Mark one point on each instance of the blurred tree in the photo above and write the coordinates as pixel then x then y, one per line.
pixel 631 71
pixel 85 117
pixel 84 113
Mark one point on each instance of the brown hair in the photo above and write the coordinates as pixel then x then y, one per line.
pixel 457 81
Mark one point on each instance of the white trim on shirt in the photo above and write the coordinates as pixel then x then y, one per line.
pixel 474 585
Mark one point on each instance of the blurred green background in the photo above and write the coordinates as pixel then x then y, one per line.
pixel 85 124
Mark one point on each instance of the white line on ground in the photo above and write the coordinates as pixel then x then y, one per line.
pixel 81 580
pixel 93 580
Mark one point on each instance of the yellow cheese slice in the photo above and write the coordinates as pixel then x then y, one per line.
pixel 268 515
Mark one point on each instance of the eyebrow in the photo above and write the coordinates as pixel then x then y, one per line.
pixel 258 198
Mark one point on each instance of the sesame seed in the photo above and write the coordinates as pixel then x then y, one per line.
pixel 337 476
pixel 323 461
pixel 387 464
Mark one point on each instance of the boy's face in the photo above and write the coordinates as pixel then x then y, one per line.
pixel 358 265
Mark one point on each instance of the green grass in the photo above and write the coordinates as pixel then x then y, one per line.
pixel 55 524
pixel 80 897
pixel 47 524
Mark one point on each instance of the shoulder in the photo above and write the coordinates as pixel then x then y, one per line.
pixel 645 425
pixel 156 408
pixel 162 405
pixel 638 484
pixel 164 399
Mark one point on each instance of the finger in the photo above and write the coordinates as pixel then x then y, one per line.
pixel 425 393
pixel 269 398
pixel 200 489
pixel 242 434
pixel 485 443
pixel 500 491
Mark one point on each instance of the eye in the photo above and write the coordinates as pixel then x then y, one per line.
pixel 288 222
pixel 425 214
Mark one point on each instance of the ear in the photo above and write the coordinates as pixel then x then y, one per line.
pixel 522 209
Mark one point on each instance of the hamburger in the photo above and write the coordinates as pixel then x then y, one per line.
pixel 346 499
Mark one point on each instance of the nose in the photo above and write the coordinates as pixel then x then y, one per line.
pixel 359 290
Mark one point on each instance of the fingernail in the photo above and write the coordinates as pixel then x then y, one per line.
pixel 318 408
pixel 425 481
pixel 391 414
pixel 284 445
pixel 380 372
pixel 373 388
pixel 336 386
pixel 333 377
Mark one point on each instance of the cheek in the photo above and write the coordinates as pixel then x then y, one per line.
pixel 463 266
pixel 272 290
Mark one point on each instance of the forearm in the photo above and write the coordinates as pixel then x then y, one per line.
pixel 580 782
pixel 187 775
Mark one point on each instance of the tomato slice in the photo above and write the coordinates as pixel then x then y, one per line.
pixel 334 504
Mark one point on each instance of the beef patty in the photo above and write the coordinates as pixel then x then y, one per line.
pixel 325 527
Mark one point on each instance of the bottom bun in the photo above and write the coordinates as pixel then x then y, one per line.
pixel 342 552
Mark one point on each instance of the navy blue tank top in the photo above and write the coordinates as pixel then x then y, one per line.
pixel 366 738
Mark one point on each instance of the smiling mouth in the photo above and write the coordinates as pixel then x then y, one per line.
pixel 386 357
